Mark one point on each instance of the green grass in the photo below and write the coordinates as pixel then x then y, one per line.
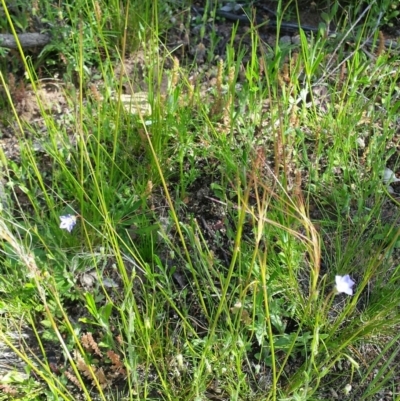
pixel 209 232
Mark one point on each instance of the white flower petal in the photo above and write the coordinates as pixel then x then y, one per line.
pixel 344 284
pixel 68 222
pixel 389 176
pixel 109 283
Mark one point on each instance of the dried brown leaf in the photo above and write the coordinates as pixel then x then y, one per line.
pixel 90 344
pixel 102 379
pixel 72 378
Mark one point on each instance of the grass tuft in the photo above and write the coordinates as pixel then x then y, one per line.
pixel 214 201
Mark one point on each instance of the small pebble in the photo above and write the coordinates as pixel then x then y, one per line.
pixel 285 40
pixel 296 39
pixel 360 142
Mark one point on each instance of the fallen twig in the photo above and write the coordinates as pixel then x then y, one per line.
pixel 25 39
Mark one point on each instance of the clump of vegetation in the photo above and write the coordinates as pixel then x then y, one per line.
pixel 187 215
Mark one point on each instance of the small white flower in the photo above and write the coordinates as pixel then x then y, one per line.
pixel 68 222
pixel 347 389
pixel 344 284
pixel 389 176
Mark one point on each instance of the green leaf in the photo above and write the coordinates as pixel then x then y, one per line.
pixel 105 312
pixel 91 305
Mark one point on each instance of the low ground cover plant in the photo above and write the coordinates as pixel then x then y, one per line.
pixel 195 208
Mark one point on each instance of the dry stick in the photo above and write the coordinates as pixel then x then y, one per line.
pixel 294 26
pixel 25 39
